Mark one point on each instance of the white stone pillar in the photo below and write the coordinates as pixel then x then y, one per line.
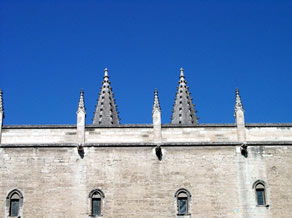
pixel 81 115
pixel 1 123
pixel 156 117
pixel 239 118
pixel 1 114
pixel 240 123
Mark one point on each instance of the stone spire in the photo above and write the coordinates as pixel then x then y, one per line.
pixel 183 109
pixel 106 113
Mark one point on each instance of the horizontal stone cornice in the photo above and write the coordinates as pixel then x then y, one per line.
pixel 71 126
pixel 168 144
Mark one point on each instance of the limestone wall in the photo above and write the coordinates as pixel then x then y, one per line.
pixel 199 134
pixel 269 133
pixel 55 182
pixel 119 135
pixel 142 134
pixel 38 135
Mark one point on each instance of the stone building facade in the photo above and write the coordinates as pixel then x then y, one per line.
pixel 183 169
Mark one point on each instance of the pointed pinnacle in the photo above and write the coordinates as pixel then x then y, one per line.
pixel 156 105
pixel 155 92
pixel 81 105
pixel 238 100
pixel 1 101
pixel 237 91
pixel 238 104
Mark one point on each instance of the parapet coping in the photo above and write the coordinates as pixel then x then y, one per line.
pixel 165 144
pixel 70 126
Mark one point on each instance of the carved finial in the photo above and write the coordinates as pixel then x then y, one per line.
pixel 105 72
pixel 182 72
pixel 156 105
pixel 81 105
pixel 237 91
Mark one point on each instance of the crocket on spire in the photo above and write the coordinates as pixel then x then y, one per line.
pixel 183 109
pixel 81 105
pixel 156 105
pixel 238 105
pixel 1 103
pixel 106 113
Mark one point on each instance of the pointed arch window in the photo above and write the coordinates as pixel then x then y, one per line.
pixel 14 203
pixel 260 192
pixel 96 197
pixel 183 199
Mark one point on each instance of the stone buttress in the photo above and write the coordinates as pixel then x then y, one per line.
pixel 81 115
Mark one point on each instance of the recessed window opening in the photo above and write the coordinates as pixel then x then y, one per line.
pixel 14 202
pixel 183 198
pixel 96 201
pixel 182 205
pixel 260 194
pixel 14 205
pixel 96 206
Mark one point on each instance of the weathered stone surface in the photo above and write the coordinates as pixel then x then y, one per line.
pixel 56 182
pixel 137 169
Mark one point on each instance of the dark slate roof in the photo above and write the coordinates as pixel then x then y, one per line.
pixel 106 110
pixel 183 109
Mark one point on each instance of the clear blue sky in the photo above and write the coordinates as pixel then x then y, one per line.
pixel 49 50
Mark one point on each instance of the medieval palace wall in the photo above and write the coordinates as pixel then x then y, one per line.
pixel 183 169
